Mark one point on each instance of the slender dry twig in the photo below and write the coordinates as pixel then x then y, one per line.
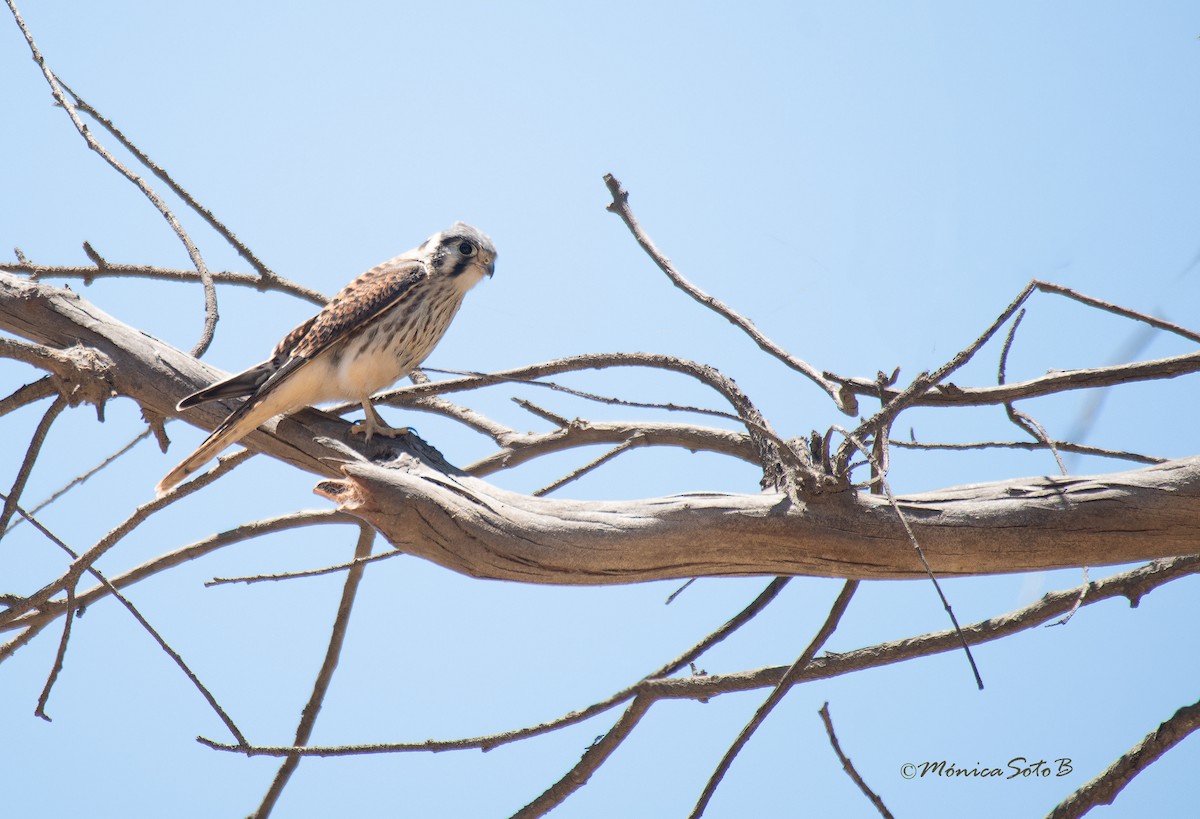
pixel 28 394
pixel 789 678
pixel 1132 585
pixel 56 89
pixel 467 417
pixel 1083 590
pixel 42 596
pixel 59 658
pixel 487 743
pixel 848 766
pixel 1115 309
pixel 893 403
pixel 671 597
pixel 265 273
pixel 31 454
pixel 142 271
pixel 1061 446
pixel 588 467
pixel 340 567
pixel 175 656
pixel 781 464
pixel 1104 788
pixel 541 412
pixel 308 718
pixel 879 480
pixel 49 610
pixel 595 756
pixel 591 396
pixel 80 479
pixel 520 448
pixel 844 400
pixel 1023 419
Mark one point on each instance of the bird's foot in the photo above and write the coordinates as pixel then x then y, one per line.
pixel 370 427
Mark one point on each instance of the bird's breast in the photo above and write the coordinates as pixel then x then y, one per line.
pixel 397 340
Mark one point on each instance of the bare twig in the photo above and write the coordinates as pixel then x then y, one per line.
pixel 520 448
pixel 588 467
pixel 593 758
pixel 31 454
pixel 1061 446
pixel 340 567
pixel 308 718
pixel 56 89
pixel 1133 585
pixel 59 658
pixel 880 481
pixel 1115 309
pixel 1083 590
pixel 789 678
pixel 83 563
pixel 601 399
pixel 28 394
pixel 1022 419
pixel 893 402
pixel 848 766
pixel 79 479
pixel 143 622
pixel 51 609
pixel 265 273
pixel 671 597
pixel 1104 788
pixel 541 412
pixel 781 464
pixel 142 271
pixel 844 399
pixel 489 742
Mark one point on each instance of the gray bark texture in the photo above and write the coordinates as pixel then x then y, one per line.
pixel 426 507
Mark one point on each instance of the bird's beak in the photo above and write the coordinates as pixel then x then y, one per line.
pixel 491 267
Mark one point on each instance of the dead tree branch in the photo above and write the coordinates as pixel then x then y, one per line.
pixel 1104 788
pixel 1029 524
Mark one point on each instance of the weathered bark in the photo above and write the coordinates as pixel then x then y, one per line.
pixel 430 509
pixel 151 372
pixel 1011 526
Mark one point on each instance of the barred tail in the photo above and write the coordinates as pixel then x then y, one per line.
pixel 239 424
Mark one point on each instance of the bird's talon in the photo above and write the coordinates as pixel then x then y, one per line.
pixel 369 430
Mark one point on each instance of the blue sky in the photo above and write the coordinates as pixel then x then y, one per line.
pixel 871 184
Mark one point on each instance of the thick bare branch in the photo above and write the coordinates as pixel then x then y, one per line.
pixel 1014 526
pixel 153 373
pixel 1020 525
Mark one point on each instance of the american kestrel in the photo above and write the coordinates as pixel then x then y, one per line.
pixel 376 330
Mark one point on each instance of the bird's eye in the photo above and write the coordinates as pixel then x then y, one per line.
pixel 466 249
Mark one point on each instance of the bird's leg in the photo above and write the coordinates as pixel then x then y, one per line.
pixel 374 424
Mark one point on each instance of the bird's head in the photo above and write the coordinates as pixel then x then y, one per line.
pixel 462 253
